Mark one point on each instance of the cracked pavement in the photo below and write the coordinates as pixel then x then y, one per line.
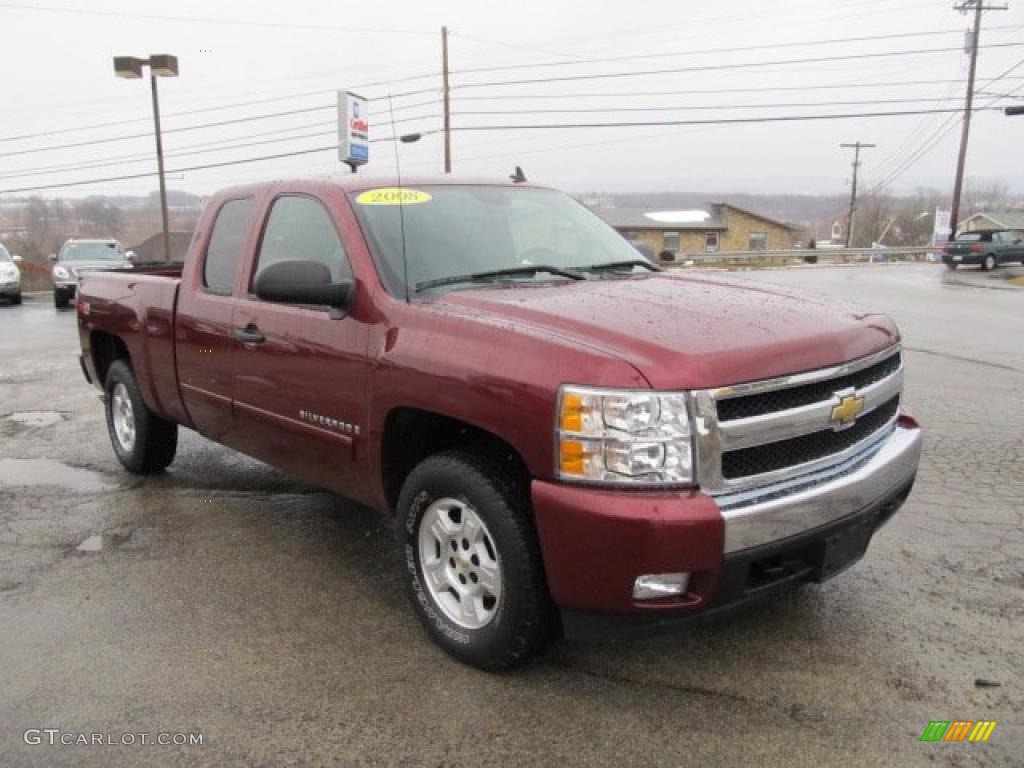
pixel 230 599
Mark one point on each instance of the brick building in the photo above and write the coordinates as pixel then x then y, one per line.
pixel 723 228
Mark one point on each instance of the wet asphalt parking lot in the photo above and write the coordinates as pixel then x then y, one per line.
pixel 228 599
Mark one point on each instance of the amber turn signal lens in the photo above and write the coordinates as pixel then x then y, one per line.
pixel 571 418
pixel 570 457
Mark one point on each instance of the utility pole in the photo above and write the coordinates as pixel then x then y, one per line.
pixel 447 102
pixel 160 167
pixel 958 184
pixel 856 147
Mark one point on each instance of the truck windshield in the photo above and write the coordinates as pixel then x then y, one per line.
pixel 92 252
pixel 453 230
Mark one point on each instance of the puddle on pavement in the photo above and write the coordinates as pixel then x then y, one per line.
pixel 37 418
pixel 108 540
pixel 92 544
pixel 43 472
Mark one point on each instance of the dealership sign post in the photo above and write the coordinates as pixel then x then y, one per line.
pixel 353 130
pixel 940 233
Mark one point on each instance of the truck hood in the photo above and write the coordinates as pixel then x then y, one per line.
pixel 689 331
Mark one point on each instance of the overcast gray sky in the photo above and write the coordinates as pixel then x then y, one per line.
pixel 58 75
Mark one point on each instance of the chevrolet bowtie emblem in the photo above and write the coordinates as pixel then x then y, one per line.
pixel 847 410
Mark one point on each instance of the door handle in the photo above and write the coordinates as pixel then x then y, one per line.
pixel 250 335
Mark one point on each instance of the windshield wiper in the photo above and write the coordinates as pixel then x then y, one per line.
pixel 611 265
pixel 475 277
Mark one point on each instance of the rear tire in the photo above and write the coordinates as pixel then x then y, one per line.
pixel 144 442
pixel 473 565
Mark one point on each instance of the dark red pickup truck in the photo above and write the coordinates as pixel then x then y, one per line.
pixel 567 437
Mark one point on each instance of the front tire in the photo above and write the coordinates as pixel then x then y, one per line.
pixel 473 564
pixel 989 263
pixel 144 443
pixel 60 300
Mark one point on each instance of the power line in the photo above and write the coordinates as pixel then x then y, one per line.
pixel 564 78
pixel 235 105
pixel 219 123
pixel 720 121
pixel 209 20
pixel 121 160
pixel 699 107
pixel 105 161
pixel 697 91
pixel 723 67
pixel 711 121
pixel 944 128
pixel 706 51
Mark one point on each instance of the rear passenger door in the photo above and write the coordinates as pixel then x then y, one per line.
pixel 204 323
pixel 300 383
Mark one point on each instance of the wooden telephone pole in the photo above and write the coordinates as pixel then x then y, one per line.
pixel 958 184
pixel 856 147
pixel 447 102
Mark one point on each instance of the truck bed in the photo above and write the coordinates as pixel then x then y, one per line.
pixel 137 307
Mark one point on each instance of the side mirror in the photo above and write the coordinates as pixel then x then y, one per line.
pixel 303 282
pixel 16 257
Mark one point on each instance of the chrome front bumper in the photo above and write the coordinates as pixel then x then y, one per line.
pixel 763 515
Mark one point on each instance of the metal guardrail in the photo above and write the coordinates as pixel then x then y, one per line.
pixel 805 256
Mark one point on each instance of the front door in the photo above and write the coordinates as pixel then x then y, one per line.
pixel 300 373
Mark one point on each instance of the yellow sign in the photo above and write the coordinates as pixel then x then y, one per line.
pixel 392 196
pixel 848 409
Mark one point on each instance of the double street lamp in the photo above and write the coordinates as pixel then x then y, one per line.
pixel 160 65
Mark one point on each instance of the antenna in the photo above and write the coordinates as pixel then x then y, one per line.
pixel 401 207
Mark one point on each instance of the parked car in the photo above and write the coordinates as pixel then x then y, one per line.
pixel 986 247
pixel 79 256
pixel 565 436
pixel 10 276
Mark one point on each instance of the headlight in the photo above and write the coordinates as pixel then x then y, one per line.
pixel 624 436
pixel 61 273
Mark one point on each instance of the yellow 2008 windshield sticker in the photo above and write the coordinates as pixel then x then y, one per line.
pixel 392 196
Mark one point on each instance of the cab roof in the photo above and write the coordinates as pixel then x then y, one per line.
pixel 356 182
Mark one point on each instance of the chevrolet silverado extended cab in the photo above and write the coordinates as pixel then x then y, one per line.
pixel 566 437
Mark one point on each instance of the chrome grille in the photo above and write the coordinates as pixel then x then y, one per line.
pixel 793 397
pixel 806 448
pixel 761 433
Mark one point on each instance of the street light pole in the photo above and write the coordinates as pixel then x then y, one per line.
pixel 160 169
pixel 160 65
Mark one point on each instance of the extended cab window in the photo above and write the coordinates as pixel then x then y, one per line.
pixel 300 227
pixel 224 253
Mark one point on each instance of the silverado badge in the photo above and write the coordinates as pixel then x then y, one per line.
pixel 846 411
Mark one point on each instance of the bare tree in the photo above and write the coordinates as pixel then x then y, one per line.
pixel 984 195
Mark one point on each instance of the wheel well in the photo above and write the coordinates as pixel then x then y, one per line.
pixel 106 348
pixel 411 435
